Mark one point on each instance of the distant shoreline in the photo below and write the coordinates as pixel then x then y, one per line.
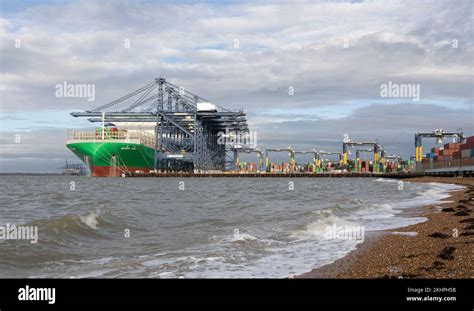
pixel 32 174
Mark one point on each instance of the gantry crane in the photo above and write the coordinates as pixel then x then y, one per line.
pixel 395 157
pixel 377 148
pixel 306 152
pixel 358 162
pixel 316 161
pixel 237 149
pixel 186 126
pixel 382 158
pixel 288 149
pixel 439 134
pixel 322 152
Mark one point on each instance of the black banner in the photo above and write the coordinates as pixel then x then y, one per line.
pixel 238 291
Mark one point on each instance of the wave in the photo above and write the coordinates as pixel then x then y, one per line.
pixel 433 195
pixel 90 220
pixel 338 209
pixel 391 180
pixel 243 237
pixel 56 236
pixel 71 224
pixel 319 228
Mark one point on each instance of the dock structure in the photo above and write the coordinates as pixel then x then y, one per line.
pixel 186 126
pixel 397 175
pixel 162 128
pixel 74 169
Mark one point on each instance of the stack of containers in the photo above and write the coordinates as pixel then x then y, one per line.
pixel 457 155
pixel 328 167
pixel 447 153
pixel 434 152
pixel 114 132
pixel 467 149
pixel 251 167
pixel 395 166
pixel 275 167
pixel 403 165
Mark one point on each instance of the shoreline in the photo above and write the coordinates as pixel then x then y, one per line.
pixel 397 253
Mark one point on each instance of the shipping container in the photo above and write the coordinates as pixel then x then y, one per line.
pixel 447 152
pixel 466 153
pixel 452 146
pixel 470 140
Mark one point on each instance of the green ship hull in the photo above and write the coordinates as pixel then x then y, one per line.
pixel 113 158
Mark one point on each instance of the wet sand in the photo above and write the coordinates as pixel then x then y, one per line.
pixel 442 248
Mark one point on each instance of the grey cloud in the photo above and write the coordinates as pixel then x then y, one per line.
pixel 282 44
pixel 305 52
pixel 393 126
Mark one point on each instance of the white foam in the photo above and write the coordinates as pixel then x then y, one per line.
pixel 292 259
pixel 387 180
pixel 382 216
pixel 319 227
pixel 408 233
pixel 90 220
pixel 435 194
pixel 99 261
pixel 244 237
pixel 91 274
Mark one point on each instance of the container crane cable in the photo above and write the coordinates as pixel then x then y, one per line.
pixel 124 97
pixel 140 101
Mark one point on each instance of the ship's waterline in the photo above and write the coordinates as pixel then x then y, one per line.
pixel 134 227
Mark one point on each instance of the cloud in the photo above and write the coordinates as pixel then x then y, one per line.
pixel 281 44
pixel 392 125
pixel 40 150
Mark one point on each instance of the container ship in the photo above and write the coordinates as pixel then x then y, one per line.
pixel 156 128
pixel 112 151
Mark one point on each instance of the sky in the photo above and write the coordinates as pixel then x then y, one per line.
pixel 333 55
